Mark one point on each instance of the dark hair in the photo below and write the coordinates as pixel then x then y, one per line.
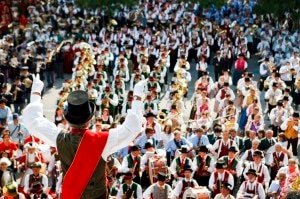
pixel 281 135
pixel 247 132
pixel 262 131
pixel 293 195
pixel 170 129
pixel 149 130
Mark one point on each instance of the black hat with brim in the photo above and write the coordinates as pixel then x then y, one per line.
pixel 80 109
pixel 188 168
pixel 220 164
pixel 161 177
pixel 203 148
pixel 251 171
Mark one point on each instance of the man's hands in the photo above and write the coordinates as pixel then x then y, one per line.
pixel 37 84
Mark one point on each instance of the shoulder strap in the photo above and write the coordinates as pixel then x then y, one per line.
pixel 17 127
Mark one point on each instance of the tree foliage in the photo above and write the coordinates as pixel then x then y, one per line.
pixel 278 8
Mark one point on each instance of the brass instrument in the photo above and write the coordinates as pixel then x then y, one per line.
pixel 62 100
pixel 113 22
pixel 105 101
pixel 27 82
pixel 91 95
pixel 157 33
pixel 253 29
pixel 162 116
pixel 15 93
pixel 271 67
pixel 57 50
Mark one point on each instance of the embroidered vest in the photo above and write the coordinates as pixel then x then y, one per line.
pixel 252 192
pixel 180 166
pixel 201 164
pixel 125 188
pixel 260 173
pixel 276 160
pixel 158 193
pixel 219 182
pixel 186 185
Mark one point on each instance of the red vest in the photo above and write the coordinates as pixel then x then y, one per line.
pixel 225 148
pixel 240 65
pixel 260 174
pixel 276 160
pixel 220 182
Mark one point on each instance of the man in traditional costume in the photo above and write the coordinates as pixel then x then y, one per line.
pixel 74 145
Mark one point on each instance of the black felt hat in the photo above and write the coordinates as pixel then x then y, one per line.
pixel 80 109
pixel 161 176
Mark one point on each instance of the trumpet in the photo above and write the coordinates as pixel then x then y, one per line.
pixel 271 67
pixel 105 101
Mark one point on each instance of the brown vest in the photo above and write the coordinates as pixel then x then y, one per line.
pixel 67 145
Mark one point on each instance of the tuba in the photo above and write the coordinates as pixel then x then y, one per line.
pixel 162 116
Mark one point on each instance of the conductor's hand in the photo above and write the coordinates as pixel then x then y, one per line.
pixel 139 88
pixel 37 84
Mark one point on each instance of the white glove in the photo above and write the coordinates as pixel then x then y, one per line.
pixel 139 88
pixel 37 84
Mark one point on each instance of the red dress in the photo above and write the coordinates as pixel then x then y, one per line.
pixel 10 147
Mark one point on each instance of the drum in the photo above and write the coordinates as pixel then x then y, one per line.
pixel 156 165
pixel 197 193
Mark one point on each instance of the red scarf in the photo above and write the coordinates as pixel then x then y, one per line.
pixel 90 141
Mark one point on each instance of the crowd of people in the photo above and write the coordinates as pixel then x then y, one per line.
pixel 221 148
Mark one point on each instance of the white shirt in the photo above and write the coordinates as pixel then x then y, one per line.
pixel 139 192
pixel 174 164
pixel 147 193
pixel 221 177
pixel 178 189
pixel 264 170
pixel 211 167
pixel 118 138
pixel 251 186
